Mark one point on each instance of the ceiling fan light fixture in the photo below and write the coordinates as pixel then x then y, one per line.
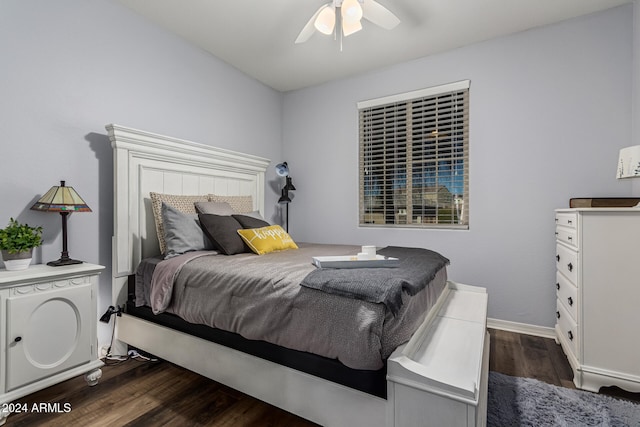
pixel 350 28
pixel 351 11
pixel 326 20
pixel 349 21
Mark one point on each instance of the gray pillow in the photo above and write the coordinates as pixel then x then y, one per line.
pixel 223 232
pixel 248 221
pixel 217 208
pixel 255 214
pixel 182 233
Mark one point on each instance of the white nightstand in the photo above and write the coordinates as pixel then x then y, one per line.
pixel 48 329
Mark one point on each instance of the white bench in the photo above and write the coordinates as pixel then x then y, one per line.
pixel 439 378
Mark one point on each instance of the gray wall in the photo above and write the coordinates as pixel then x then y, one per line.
pixel 550 108
pixel 636 87
pixel 71 66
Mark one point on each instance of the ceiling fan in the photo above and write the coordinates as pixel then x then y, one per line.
pixel 348 13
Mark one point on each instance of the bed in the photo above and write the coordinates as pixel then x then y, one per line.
pixel 435 375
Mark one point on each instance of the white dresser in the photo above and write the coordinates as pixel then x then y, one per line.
pixel 48 328
pixel 598 295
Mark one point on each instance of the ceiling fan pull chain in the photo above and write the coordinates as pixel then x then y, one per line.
pixel 341 29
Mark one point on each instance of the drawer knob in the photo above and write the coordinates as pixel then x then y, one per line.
pixel 558 285
pixel 558 258
pixel 570 334
pixel 18 339
pixel 569 238
pixel 570 267
pixel 570 300
pixel 558 314
pixel 569 222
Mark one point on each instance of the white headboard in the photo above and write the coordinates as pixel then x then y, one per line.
pixel 145 162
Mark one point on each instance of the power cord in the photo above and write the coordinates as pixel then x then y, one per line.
pixel 133 354
pixel 111 359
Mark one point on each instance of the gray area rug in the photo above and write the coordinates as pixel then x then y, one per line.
pixel 528 402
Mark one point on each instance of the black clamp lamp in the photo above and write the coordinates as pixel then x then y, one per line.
pixel 282 169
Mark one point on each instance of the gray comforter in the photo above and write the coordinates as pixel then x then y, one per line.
pixel 260 297
pixel 417 269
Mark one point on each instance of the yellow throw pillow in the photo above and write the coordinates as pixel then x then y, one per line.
pixel 267 239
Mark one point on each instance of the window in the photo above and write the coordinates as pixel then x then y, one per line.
pixel 414 158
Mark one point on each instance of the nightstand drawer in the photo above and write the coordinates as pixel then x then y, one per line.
pixel 567 262
pixel 568 328
pixel 51 286
pixel 567 219
pixel 567 294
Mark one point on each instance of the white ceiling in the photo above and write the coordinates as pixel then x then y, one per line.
pixel 257 36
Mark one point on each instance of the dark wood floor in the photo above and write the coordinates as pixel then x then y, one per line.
pixel 154 394
pixel 529 356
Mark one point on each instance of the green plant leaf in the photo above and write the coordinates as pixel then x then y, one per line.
pixel 18 237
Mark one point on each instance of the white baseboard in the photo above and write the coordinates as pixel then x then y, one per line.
pixel 521 328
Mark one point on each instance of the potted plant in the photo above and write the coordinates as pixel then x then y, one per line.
pixel 17 242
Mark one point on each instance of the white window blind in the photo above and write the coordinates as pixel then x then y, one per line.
pixel 414 158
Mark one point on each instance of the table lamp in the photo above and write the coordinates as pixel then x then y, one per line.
pixel 64 200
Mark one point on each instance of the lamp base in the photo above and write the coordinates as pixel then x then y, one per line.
pixel 64 261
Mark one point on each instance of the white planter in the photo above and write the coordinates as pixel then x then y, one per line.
pixel 17 264
pixel 19 261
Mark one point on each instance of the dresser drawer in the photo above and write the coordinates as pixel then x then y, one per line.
pixel 567 262
pixel 567 235
pixel 567 294
pixel 567 219
pixel 568 328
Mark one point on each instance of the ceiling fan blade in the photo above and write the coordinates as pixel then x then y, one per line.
pixel 309 28
pixel 379 15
